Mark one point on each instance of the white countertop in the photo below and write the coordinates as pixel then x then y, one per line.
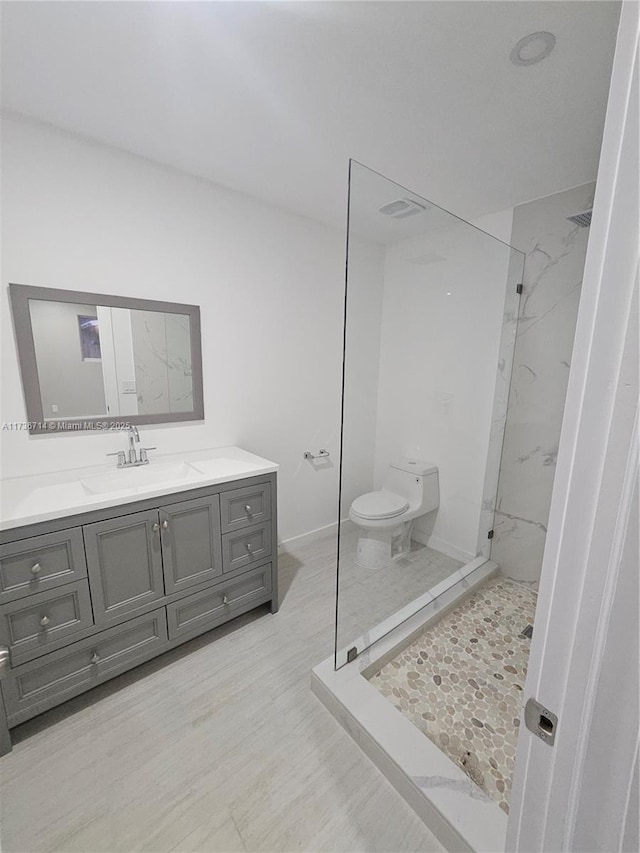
pixel 43 497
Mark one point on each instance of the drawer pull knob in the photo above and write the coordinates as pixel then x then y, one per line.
pixel 225 600
pixel 248 509
pixel 45 621
pixel 155 526
pixel 165 524
pixel 249 547
pixel 95 657
pixel 36 568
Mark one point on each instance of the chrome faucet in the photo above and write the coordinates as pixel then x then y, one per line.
pixel 132 460
pixel 134 436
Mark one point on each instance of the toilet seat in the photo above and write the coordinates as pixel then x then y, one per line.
pixel 379 505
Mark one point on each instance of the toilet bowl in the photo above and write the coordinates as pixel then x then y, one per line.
pixel 385 518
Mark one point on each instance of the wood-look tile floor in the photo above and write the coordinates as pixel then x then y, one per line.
pixel 369 596
pixel 216 746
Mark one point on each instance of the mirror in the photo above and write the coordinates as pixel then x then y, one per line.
pixel 91 361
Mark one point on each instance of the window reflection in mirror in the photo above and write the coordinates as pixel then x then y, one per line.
pixel 94 360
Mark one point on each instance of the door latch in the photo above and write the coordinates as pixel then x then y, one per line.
pixel 541 721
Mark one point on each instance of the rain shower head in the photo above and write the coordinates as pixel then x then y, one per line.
pixel 582 219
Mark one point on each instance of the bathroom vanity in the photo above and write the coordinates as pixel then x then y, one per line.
pixel 103 569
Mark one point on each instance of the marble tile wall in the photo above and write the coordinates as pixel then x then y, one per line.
pixel 162 356
pixel 555 254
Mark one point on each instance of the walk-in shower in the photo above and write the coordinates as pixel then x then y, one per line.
pixel 431 313
pixel 430 320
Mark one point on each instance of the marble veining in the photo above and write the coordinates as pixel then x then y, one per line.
pixel 461 683
pixel 162 357
pixel 555 255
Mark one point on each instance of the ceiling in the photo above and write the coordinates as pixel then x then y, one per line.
pixel 271 99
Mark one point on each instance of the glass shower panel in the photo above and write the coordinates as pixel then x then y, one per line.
pixel 430 322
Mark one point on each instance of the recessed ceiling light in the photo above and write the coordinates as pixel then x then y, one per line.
pixel 533 48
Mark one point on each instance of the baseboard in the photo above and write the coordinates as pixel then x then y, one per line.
pixel 442 546
pixel 348 526
pixel 314 535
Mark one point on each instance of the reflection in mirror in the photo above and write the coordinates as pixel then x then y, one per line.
pixel 95 360
pixel 100 361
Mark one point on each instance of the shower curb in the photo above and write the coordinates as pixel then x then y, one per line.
pixel 460 814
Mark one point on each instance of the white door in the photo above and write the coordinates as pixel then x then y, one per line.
pixel 581 794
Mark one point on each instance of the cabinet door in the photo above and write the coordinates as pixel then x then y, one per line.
pixel 124 563
pixel 191 550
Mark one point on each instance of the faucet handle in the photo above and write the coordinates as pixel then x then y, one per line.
pixel 143 453
pixel 121 457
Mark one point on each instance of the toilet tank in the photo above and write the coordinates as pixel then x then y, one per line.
pixel 416 480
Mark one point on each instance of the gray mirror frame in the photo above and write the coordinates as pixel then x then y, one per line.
pixel 20 294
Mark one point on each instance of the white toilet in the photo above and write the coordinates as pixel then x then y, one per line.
pixel 384 519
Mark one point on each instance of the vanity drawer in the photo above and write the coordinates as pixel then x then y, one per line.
pixel 40 684
pixel 246 547
pixel 40 563
pixel 35 625
pixel 205 610
pixel 244 507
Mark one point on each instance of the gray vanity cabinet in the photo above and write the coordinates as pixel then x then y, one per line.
pixel 190 534
pixel 125 564
pixel 87 597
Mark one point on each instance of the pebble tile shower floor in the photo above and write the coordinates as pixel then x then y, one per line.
pixel 461 682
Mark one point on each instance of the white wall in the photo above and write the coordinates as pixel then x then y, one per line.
pixel 364 318
pixel 441 333
pixel 270 285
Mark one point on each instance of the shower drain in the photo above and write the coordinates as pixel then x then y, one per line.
pixel 528 632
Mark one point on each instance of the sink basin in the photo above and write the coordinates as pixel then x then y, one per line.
pixel 125 479
pixel 62 494
pixel 222 466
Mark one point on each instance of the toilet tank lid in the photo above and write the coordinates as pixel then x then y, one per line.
pixel 414 466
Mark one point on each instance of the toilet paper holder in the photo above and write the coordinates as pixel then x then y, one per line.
pixel 319 455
